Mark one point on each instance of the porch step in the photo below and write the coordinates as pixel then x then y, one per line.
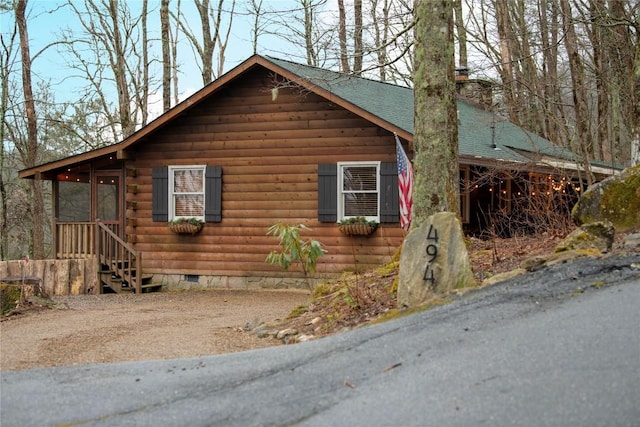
pixel 115 283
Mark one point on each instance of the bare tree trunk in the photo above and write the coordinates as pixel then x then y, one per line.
pixel 205 49
pixel 437 177
pixel 530 88
pixel 506 67
pixel 621 41
pixel 381 35
pixel 165 31
pixel 551 95
pixel 312 58
pixel 174 55
pixel 462 34
pixel 357 37
pixel 208 43
pixel 600 73
pixel 342 36
pixel 222 42
pixel 5 60
pixel 119 64
pixel 31 158
pixel 583 135
pixel 255 9
pixel 144 102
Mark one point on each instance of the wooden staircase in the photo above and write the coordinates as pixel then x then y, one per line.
pixel 120 265
pixel 112 279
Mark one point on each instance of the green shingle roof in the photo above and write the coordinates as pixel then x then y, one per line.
pixel 478 128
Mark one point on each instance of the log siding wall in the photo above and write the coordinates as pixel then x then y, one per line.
pixel 269 151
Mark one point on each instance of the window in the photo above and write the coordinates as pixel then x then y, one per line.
pixel 331 193
pixel 186 192
pixel 193 191
pixel 358 190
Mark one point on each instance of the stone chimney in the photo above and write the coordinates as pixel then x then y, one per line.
pixel 474 90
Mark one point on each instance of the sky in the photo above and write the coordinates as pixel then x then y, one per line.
pixel 48 18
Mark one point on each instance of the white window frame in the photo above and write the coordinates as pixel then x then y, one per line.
pixel 172 205
pixel 341 192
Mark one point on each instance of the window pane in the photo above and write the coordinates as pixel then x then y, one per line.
pixel 74 201
pixel 359 178
pixel 189 205
pixel 188 181
pixel 361 204
pixel 107 198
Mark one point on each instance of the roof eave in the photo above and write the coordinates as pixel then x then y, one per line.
pixel 38 171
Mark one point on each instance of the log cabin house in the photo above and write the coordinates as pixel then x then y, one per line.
pixel 270 141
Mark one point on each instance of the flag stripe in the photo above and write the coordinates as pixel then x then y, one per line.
pixel 405 185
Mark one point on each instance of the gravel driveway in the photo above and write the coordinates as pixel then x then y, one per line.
pixel 113 328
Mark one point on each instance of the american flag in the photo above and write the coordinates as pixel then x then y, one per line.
pixel 405 185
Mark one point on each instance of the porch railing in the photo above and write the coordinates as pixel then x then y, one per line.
pixel 118 255
pixel 75 240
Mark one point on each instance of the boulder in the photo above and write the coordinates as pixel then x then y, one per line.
pixel 615 199
pixel 596 235
pixel 632 241
pixel 539 261
pixel 434 261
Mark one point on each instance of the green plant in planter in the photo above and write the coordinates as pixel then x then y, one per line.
pixel 192 221
pixel 357 226
pixel 358 220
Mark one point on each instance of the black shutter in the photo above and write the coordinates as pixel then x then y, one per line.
pixel 160 194
pixel 389 202
pixel 213 194
pixel 328 192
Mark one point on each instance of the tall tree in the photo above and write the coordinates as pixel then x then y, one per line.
pixel 583 138
pixel 211 37
pixel 30 153
pixel 165 36
pixel 435 123
pixel 6 64
pixel 461 32
pixel 381 29
pixel 342 36
pixel 357 35
pixel 110 54
pixel 358 52
pixel 255 10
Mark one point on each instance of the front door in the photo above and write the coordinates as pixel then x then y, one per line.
pixel 108 199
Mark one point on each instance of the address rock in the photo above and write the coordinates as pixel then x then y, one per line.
pixel 434 261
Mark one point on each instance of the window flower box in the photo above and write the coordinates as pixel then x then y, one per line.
pixel 186 225
pixel 357 226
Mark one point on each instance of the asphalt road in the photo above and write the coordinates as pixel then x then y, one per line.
pixel 559 347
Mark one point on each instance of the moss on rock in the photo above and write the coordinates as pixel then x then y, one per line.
pixel 9 298
pixel 616 199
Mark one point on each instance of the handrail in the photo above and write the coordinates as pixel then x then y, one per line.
pixel 113 251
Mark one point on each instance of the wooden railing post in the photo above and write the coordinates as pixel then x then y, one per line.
pixel 119 255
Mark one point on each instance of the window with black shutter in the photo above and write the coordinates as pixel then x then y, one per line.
pixel 350 189
pixel 187 192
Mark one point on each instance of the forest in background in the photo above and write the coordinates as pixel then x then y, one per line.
pixel 568 70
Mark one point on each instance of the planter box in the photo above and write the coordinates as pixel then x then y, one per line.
pixel 357 229
pixel 185 228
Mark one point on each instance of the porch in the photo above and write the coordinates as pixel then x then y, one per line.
pixel 118 265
